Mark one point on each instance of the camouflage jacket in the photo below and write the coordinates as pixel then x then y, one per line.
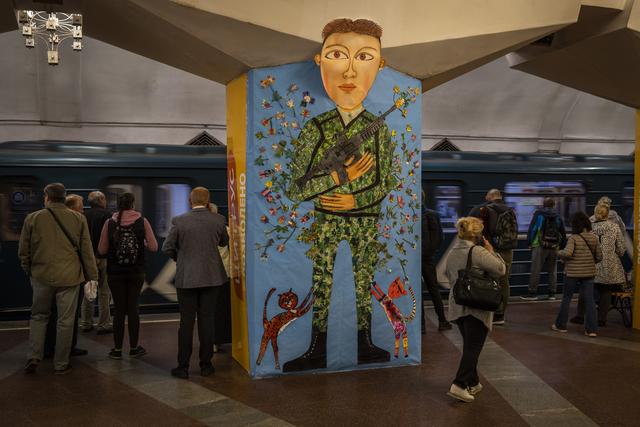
pixel 369 190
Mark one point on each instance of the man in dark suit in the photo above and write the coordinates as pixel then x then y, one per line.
pixel 193 243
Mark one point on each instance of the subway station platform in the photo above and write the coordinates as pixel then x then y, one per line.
pixel 532 376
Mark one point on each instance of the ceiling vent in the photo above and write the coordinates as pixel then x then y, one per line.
pixel 445 145
pixel 205 138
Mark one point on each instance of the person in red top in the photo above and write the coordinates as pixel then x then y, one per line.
pixel 123 240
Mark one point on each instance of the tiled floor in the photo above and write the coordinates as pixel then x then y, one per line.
pixel 532 376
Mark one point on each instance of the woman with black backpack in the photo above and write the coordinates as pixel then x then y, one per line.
pixel 123 239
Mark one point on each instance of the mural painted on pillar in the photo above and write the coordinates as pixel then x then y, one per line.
pixel 336 154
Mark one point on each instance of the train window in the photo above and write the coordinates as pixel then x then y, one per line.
pixel 627 206
pixel 171 200
pixel 112 192
pixel 448 204
pixel 19 196
pixel 526 197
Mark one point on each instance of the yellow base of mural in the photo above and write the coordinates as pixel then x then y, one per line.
pixel 236 181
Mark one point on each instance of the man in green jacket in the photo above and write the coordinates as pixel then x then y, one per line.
pixel 346 208
pixel 52 262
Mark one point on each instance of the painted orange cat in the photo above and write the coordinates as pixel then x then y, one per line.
pixel 396 318
pixel 274 327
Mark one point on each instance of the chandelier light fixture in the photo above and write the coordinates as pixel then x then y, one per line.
pixel 51 28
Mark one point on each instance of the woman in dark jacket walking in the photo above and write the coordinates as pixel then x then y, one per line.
pixel 123 239
pixel 580 256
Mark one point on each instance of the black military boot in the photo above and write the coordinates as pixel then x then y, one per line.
pixel 314 358
pixel 367 351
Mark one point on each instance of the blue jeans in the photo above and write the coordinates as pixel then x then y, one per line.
pixel 586 294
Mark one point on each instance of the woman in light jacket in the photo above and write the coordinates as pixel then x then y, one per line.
pixel 580 257
pixel 474 324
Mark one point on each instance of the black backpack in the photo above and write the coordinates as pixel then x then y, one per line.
pixel 550 236
pixel 505 236
pixel 127 246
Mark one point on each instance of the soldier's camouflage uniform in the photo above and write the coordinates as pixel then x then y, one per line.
pixel 356 226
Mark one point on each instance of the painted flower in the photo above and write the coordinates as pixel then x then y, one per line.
pixel 416 164
pixel 396 89
pixel 293 215
pixel 268 184
pixel 264 257
pixel 307 99
pixel 305 113
pixel 408 128
pixel 268 81
pixel 264 219
pixel 274 146
pixel 400 185
pixel 290 103
pixel 273 211
pixel 393 132
pixel 386 235
pixel 265 192
pixel 262 149
pixel 291 223
pixel 281 219
pixel 404 113
pixel 402 230
pixel 407 217
pixel 277 167
pixel 280 115
pixel 387 228
pixel 400 202
pixel 265 121
pixel 304 219
pixel 413 137
pixel 399 102
pixel 266 104
pixel 269 198
pixel 391 198
pixel 415 218
pixel 259 135
pixel 294 125
pixel 292 87
pixel 272 131
pixel 285 124
pixel 416 90
pixel 280 248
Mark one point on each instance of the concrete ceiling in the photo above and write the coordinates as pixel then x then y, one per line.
pixel 600 54
pixel 219 40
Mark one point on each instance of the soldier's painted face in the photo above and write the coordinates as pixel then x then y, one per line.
pixel 349 63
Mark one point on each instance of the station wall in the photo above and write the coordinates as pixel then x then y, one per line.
pixel 106 94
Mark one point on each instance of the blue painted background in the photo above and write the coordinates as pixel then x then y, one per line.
pixel 291 268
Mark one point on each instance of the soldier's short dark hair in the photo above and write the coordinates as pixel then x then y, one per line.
pixel 549 202
pixel 55 192
pixel 346 25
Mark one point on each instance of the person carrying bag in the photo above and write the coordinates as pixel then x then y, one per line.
pixel 474 267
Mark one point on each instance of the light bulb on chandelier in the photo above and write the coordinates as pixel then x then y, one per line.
pixel 51 28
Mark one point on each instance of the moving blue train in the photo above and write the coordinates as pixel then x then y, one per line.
pixel 161 177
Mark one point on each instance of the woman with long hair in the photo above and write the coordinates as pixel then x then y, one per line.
pixel 123 239
pixel 474 324
pixel 580 257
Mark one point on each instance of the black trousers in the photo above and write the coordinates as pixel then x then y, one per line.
pixel 200 303
pixel 50 336
pixel 474 333
pixel 222 324
pixel 431 282
pixel 125 291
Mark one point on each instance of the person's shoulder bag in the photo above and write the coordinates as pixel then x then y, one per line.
pixel 475 289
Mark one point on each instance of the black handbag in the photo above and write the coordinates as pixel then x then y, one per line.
pixel 475 289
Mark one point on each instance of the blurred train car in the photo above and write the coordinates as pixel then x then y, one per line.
pixel 161 177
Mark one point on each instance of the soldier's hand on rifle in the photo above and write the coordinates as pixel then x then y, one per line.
pixel 355 170
pixel 338 202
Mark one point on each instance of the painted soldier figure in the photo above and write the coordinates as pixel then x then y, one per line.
pixel 347 202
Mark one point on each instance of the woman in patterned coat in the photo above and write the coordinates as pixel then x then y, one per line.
pixel 609 272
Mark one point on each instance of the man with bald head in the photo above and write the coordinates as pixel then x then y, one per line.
pixel 193 243
pixel 501 229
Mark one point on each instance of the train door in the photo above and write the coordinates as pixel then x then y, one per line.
pixel 446 198
pixel 19 196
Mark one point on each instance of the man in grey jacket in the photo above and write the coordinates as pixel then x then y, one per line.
pixel 193 243
pixel 56 270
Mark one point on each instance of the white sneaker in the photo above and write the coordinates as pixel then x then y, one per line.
pixel 555 328
pixel 462 394
pixel 475 389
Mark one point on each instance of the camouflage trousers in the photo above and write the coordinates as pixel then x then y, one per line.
pixel 361 235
